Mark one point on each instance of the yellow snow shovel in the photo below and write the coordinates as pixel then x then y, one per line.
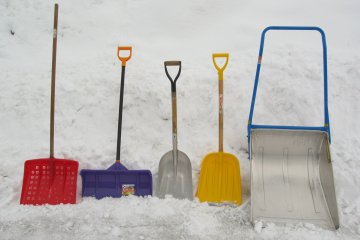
pixel 220 180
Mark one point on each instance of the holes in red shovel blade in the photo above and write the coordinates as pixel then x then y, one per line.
pixel 49 181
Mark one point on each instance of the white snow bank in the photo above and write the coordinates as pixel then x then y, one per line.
pixel 88 79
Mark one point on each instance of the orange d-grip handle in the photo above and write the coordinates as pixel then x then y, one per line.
pixel 124 59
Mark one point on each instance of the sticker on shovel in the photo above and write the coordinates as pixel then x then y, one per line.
pixel 128 189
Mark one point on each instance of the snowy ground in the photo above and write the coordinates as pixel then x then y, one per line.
pixel 88 79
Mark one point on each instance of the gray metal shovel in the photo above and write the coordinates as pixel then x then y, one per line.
pixel 175 176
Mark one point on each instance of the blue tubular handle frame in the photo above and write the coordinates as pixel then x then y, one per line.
pixel 326 126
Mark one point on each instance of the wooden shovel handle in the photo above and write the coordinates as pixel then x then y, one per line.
pixel 221 95
pixel 173 104
pixel 53 71
pixel 221 116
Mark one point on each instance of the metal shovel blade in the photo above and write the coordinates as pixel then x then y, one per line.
pixel 292 178
pixel 179 183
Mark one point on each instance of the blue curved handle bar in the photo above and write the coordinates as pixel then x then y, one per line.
pixel 326 126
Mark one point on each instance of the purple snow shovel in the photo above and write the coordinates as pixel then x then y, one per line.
pixel 117 180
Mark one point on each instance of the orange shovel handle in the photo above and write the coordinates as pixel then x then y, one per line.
pixel 124 59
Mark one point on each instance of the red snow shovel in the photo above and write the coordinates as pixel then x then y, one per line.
pixel 50 180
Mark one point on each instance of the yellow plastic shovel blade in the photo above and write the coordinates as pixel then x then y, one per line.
pixel 220 180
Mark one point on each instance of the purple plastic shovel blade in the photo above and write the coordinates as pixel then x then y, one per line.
pixel 115 183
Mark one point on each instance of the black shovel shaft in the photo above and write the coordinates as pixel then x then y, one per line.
pixel 53 71
pixel 123 60
pixel 120 113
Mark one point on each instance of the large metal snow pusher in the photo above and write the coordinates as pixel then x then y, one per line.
pixel 291 168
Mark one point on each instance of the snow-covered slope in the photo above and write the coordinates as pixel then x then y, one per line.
pixel 88 79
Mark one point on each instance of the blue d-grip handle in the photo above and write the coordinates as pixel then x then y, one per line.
pixel 326 111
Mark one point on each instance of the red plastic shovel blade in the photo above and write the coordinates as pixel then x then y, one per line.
pixel 49 181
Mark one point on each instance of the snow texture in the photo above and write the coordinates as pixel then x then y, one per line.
pixel 88 80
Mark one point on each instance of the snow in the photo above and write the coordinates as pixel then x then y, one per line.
pixel 88 79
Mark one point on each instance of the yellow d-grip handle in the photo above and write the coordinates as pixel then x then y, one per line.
pixel 124 59
pixel 220 69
